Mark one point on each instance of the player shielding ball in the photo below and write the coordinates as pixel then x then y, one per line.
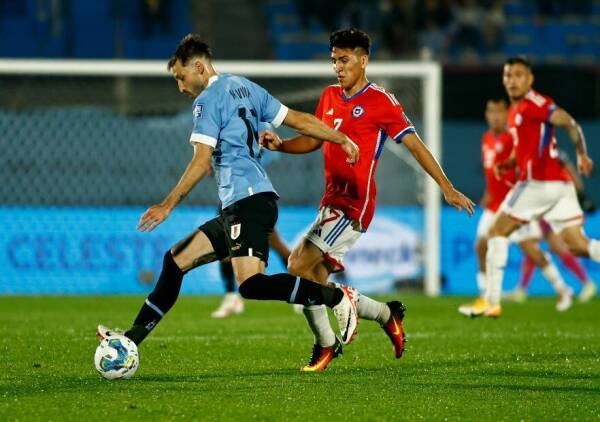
pixel 368 114
pixel 227 110
pixel 544 188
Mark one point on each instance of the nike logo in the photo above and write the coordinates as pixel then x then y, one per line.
pixel 396 327
pixel 330 112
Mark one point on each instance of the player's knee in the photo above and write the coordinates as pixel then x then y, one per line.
pixel 296 266
pixel 170 263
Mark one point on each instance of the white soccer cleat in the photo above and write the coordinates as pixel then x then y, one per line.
pixel 588 291
pixel 232 304
pixel 102 331
pixel 298 308
pixel 346 314
pixel 565 300
pixel 517 295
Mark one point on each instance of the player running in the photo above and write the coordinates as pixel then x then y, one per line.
pixel 368 114
pixel 496 147
pixel 544 187
pixel 227 110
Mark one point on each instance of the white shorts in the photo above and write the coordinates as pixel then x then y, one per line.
pixel 555 201
pixel 525 232
pixel 333 233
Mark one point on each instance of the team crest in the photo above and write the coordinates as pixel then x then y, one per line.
pixel 518 119
pixel 236 229
pixel 357 111
pixel 198 111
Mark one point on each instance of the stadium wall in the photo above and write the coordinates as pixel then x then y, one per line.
pixel 50 251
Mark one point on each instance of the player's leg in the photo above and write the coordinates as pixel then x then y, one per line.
pixel 573 264
pixel 531 249
pixel 277 243
pixel 481 251
pixel 232 303
pixel 248 225
pixel 202 246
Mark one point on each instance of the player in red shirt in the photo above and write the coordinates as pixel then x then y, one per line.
pixel 497 147
pixel 368 114
pixel 544 188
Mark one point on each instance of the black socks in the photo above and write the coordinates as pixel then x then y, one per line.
pixel 286 287
pixel 228 277
pixel 159 302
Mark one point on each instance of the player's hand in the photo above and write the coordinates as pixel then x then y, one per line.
pixel 270 140
pixel 153 217
pixel 459 201
pixel 585 165
pixel 351 150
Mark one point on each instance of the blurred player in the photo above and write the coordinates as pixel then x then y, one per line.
pixel 496 147
pixel 544 187
pixel 232 303
pixel 368 114
pixel 226 113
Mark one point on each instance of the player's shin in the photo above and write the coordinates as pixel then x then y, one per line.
pixel 497 255
pixel 318 321
pixel 159 302
pixel 552 275
pixel 291 289
pixel 372 310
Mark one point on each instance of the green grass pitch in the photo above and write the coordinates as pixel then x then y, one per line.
pixel 531 364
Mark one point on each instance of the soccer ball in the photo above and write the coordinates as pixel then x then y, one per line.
pixel 116 357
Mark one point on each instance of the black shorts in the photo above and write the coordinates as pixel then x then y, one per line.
pixel 244 228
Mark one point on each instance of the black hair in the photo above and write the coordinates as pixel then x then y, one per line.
pixel 497 99
pixel 518 60
pixel 190 46
pixel 350 38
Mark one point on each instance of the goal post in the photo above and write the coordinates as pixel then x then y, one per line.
pixel 428 73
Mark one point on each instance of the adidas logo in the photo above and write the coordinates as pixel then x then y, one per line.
pixel 330 112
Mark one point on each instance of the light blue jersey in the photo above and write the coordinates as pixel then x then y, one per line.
pixel 227 116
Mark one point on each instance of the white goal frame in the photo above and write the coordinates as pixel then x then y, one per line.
pixel 431 91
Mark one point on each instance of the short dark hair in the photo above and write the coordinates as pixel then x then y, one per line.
pixel 350 38
pixel 497 99
pixel 190 46
pixel 518 60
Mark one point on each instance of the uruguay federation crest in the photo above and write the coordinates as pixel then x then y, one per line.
pixel 198 111
pixel 357 111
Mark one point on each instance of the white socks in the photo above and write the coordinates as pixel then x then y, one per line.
pixel 372 310
pixel 497 255
pixel 553 276
pixel 594 250
pixel 481 282
pixel 318 321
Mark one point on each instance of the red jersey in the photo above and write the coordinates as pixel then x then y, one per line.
pixel 536 150
pixel 368 117
pixel 496 149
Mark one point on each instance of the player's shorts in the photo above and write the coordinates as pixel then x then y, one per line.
pixel 554 200
pixel 244 228
pixel 532 230
pixel 333 233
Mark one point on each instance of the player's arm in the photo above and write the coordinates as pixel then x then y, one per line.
pixel 428 162
pixel 194 172
pixel 485 198
pixel 308 125
pixel 563 119
pixel 300 144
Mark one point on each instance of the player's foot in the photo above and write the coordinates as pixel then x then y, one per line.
pixel 481 307
pixel 564 300
pixel 298 308
pixel 321 356
pixel 346 314
pixel 232 304
pixel 394 328
pixel 588 291
pixel 102 331
pixel 517 295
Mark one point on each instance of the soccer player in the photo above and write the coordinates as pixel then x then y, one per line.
pixel 544 187
pixel 226 111
pixel 496 147
pixel 232 303
pixel 368 114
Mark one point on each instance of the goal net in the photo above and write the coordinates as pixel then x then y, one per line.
pixel 109 137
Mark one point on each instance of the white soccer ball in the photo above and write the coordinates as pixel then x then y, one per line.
pixel 117 357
